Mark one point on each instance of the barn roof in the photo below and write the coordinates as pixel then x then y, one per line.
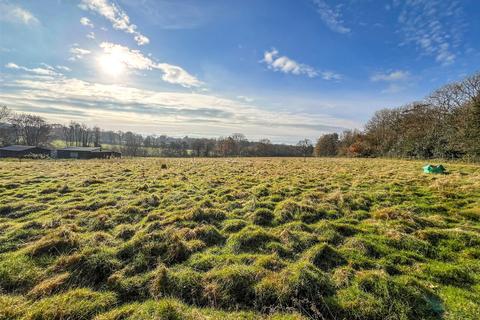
pixel 17 148
pixel 87 149
pixel 106 151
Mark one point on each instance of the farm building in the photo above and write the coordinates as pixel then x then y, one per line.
pixel 86 153
pixel 18 151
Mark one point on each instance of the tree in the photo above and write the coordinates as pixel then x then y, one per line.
pixel 264 148
pixel 226 146
pixel 6 135
pixel 96 136
pixel 198 145
pixel 4 113
pixel 239 143
pixel 132 144
pixel 30 129
pixel 327 145
pixel 306 148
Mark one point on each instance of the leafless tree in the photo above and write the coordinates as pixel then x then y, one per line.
pixel 4 113
pixel 30 129
pixel 306 148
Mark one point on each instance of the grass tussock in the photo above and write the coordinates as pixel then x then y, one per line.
pixel 238 239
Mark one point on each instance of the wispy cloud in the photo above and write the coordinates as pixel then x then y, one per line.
pixel 63 99
pixel 435 27
pixel 116 15
pixel 245 99
pixel 47 70
pixel 398 75
pixel 331 16
pixel 395 79
pixel 78 53
pixel 84 21
pixel 16 14
pixel 134 59
pixel 63 68
pixel 91 35
pixel 284 64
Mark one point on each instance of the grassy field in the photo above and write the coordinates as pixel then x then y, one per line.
pixel 238 239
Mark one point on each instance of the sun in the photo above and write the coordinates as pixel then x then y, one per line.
pixel 111 64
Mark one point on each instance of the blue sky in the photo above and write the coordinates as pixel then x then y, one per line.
pixel 280 69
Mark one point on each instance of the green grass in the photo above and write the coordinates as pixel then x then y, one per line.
pixel 238 239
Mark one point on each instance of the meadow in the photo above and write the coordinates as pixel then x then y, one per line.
pixel 238 239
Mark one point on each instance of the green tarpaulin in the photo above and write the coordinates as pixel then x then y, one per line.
pixel 429 168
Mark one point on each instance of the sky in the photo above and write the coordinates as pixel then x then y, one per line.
pixel 278 69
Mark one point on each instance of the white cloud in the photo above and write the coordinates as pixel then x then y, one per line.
pixel 149 111
pixel 141 39
pixel 16 14
pixel 329 75
pixel 396 80
pixel 84 21
pixel 398 75
pixel 47 66
pixel 286 65
pixel 91 35
pixel 134 59
pixel 177 75
pixel 78 53
pixel 64 68
pixel 332 17
pixel 434 27
pixel 245 99
pixel 45 71
pixel 119 18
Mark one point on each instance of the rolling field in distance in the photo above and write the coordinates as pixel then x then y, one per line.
pixel 238 239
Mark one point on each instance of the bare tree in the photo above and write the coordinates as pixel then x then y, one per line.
pixel 30 129
pixel 306 148
pixel 5 130
pixel 264 147
pixel 239 143
pixel 4 113
pixel 96 136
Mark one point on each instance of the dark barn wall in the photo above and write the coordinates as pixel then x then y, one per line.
pixel 67 154
pixel 24 153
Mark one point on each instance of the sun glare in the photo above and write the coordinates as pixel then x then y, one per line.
pixel 111 64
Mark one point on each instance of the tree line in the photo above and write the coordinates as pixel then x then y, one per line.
pixel 446 124
pixel 28 129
